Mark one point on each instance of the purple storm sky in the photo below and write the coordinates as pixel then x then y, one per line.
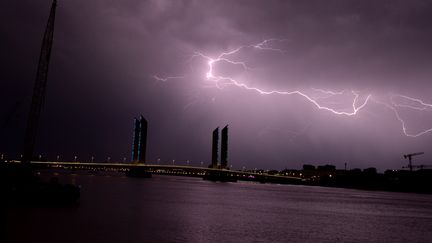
pixel 112 60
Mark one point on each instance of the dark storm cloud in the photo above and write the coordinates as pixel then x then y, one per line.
pixel 106 51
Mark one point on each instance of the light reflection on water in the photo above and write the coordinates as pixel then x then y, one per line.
pixel 182 209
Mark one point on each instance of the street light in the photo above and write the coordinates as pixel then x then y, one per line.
pixel 108 159
pixel 75 158
pixel 58 158
pixel 92 159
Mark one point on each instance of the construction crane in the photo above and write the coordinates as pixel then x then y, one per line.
pixel 409 157
pixel 39 89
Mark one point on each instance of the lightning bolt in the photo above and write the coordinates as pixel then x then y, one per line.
pixel 356 103
pixel 328 92
pixel 156 77
pixel 404 128
pixel 419 106
pixel 265 47
pixel 224 57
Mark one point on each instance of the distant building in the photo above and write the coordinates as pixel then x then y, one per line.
pixel 370 171
pixel 215 148
pixel 136 135
pixel 326 168
pixel 143 140
pixel 224 148
pixel 308 167
pixel 139 146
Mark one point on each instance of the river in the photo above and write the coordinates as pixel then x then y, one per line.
pixel 184 209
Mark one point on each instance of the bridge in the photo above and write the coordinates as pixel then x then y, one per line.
pixel 215 174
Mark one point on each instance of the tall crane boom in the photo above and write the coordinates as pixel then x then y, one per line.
pixel 39 89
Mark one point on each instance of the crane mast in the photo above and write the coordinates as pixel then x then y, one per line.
pixel 39 89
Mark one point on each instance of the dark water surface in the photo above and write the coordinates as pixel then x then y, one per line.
pixel 182 209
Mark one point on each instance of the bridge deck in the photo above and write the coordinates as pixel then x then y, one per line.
pixel 157 168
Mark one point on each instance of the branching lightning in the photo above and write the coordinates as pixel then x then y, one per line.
pixel 224 57
pixel 264 45
pixel 356 103
pixel 417 105
pixel 156 77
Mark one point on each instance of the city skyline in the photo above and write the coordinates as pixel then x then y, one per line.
pixel 111 61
